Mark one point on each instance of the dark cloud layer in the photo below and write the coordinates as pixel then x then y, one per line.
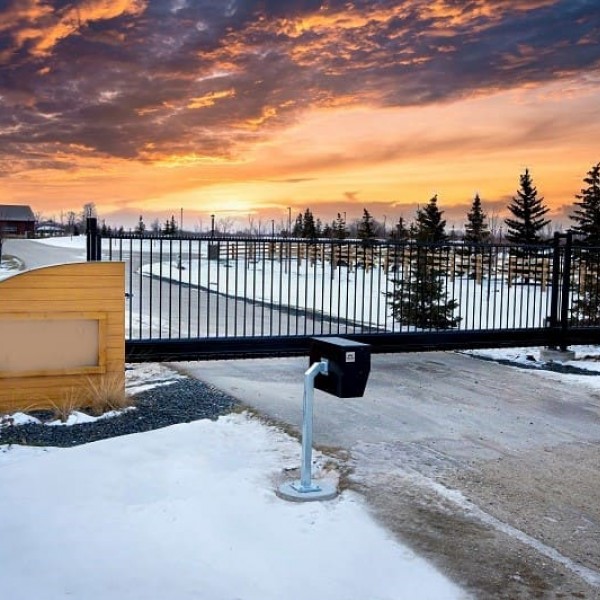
pixel 145 79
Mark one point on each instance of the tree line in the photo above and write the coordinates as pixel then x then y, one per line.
pixel 525 224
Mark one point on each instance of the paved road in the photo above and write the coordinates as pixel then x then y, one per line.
pixel 35 254
pixel 490 471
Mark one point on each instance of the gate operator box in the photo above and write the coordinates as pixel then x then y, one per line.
pixel 349 366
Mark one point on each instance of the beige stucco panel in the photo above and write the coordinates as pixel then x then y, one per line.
pixel 48 345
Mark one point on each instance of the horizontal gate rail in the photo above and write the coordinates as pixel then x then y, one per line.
pixel 239 348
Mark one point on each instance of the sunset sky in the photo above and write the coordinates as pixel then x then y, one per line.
pixel 243 108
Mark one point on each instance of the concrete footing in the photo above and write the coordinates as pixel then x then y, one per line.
pixel 322 490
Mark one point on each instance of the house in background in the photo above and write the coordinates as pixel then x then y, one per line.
pixel 49 229
pixel 16 220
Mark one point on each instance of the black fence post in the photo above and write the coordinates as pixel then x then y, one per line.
pixel 92 240
pixel 556 270
pixel 565 291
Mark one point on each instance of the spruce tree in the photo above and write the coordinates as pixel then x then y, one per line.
pixel 528 211
pixel 430 227
pixel 141 226
pixel 476 228
pixel 419 297
pixel 399 232
pixel 340 231
pixel 297 230
pixel 587 216
pixel 586 307
pixel 309 229
pixel 366 227
pixel 318 228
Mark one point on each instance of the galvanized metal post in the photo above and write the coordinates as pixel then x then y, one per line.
pixel 307 425
pixel 305 490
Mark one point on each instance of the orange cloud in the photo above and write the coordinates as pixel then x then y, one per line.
pixel 209 99
pixel 42 27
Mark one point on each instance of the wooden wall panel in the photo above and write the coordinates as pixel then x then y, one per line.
pixel 95 290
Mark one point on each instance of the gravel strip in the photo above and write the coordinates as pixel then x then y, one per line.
pixel 183 401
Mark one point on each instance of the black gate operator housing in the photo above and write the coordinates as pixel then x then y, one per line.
pixel 349 366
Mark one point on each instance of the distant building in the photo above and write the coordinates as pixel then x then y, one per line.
pixel 16 220
pixel 49 229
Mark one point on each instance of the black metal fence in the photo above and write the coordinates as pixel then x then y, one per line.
pixel 213 297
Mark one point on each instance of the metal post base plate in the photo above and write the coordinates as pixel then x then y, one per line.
pixel 323 490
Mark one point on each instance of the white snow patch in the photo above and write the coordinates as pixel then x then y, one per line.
pixel 188 512
pixel 531 355
pixel 75 418
pixel 18 418
pixel 146 376
pixel 75 241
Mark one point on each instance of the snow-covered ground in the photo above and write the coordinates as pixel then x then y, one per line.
pixel 77 242
pixel 9 265
pixel 190 511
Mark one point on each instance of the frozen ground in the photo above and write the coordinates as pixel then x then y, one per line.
pixel 190 511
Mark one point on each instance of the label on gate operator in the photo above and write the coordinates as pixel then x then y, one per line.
pixel 350 357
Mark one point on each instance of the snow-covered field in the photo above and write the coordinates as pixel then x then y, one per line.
pixel 186 512
pixel 76 242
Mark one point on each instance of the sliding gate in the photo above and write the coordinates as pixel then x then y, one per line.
pixel 193 297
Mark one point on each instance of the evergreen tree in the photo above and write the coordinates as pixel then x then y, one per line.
pixel 167 228
pixel 586 307
pixel 366 227
pixel 366 230
pixel 528 211
pixel 319 228
pixel 419 297
pixel 587 216
pixel 298 229
pixel 476 228
pixel 430 227
pixel 399 232
pixel 141 226
pixel 309 229
pixel 340 231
